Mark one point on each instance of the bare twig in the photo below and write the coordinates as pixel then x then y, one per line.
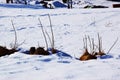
pixel 21 43
pixel 99 43
pixel 15 44
pixel 93 47
pixel 84 43
pixel 38 44
pixel 112 45
pixel 48 37
pixel 51 32
pixel 90 44
pixel 43 33
pixel 86 55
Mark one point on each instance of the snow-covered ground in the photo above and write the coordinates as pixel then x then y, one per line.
pixel 70 26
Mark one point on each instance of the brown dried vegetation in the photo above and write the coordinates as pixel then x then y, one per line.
pixel 38 51
pixel 86 54
pixel 46 35
pixel 100 50
pixel 116 5
pixel 8 1
pixel 95 50
pixel 4 51
pixel 41 50
pixel 93 53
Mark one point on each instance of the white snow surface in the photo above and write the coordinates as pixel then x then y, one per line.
pixel 70 26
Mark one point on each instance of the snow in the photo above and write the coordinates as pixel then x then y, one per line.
pixel 70 26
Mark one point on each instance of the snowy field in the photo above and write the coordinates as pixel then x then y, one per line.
pixel 70 26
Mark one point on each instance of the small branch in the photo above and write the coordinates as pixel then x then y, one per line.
pixel 48 37
pixel 90 44
pixel 51 32
pixel 86 48
pixel 38 44
pixel 84 43
pixel 43 33
pixel 15 44
pixel 112 45
pixel 93 47
pixel 99 43
pixel 21 43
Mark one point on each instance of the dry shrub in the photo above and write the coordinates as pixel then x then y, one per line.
pixel 95 50
pixel 8 1
pixel 86 54
pixel 32 50
pixel 116 5
pixel 38 51
pixel 100 50
pixel 47 37
pixel 4 51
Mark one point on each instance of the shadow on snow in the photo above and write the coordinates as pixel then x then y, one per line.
pixel 21 6
pixel 62 56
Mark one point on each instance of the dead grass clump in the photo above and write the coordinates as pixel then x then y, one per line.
pixel 116 5
pixel 4 51
pixel 100 50
pixel 95 50
pixel 86 54
pixel 38 51
pixel 32 50
pixel 48 38
pixel 8 1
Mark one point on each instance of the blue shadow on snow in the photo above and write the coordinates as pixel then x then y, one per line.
pixel 59 53
pixel 106 56
pixel 20 6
